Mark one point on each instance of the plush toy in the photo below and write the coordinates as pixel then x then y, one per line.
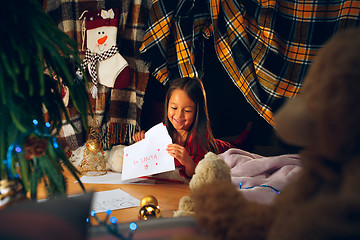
pixel 114 158
pixel 323 202
pixel 209 169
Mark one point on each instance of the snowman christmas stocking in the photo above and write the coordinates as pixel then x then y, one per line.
pixel 102 59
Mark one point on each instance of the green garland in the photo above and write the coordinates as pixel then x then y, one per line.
pixel 32 45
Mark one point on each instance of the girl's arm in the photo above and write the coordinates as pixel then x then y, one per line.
pixel 180 153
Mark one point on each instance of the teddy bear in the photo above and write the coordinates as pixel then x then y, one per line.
pixel 209 169
pixel 323 199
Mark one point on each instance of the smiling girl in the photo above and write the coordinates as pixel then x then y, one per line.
pixel 187 120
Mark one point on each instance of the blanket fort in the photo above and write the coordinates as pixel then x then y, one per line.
pixel 148 156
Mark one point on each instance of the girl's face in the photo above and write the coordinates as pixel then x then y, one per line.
pixel 181 110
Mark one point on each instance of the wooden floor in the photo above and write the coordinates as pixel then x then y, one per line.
pixel 168 195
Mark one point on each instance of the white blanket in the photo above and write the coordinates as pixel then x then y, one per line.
pixel 261 178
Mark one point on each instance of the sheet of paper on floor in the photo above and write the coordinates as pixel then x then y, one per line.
pixel 113 200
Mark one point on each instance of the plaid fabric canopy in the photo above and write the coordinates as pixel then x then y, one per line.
pixel 116 110
pixel 266 47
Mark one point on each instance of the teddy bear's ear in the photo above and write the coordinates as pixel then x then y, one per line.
pixel 293 123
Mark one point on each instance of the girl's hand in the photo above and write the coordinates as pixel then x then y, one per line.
pixel 180 153
pixel 139 136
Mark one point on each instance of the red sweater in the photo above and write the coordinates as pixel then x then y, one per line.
pixel 222 147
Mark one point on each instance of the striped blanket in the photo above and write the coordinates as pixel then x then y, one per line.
pixel 117 110
pixel 266 47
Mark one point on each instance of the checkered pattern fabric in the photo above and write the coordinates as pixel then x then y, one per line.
pixel 93 58
pixel 266 47
pixel 117 110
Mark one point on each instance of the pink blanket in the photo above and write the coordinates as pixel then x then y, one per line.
pixel 261 178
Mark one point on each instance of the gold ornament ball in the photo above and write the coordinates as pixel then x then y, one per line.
pixel 149 208
pixel 93 145
pixel 148 200
pixel 148 212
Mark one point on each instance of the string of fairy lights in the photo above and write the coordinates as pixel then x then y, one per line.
pixel 110 223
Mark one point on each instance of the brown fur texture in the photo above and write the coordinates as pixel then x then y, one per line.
pixel 210 169
pixel 324 201
pixel 226 214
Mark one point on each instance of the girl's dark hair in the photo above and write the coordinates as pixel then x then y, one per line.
pixel 200 128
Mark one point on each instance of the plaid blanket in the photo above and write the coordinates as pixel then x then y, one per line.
pixel 266 47
pixel 117 110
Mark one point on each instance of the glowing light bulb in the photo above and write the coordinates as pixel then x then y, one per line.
pixel 18 149
pixel 113 220
pixel 133 226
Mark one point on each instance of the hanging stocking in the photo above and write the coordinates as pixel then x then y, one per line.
pixel 105 64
